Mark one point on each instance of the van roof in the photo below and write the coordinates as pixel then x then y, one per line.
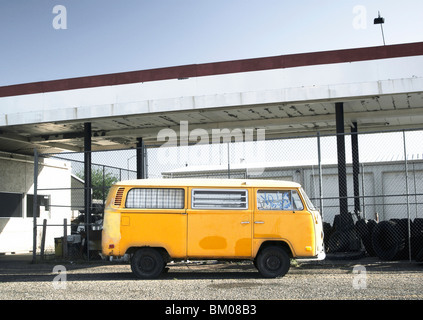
pixel 209 183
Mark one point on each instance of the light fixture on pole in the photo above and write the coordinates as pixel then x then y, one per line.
pixel 381 21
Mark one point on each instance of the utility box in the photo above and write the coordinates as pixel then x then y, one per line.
pixel 58 247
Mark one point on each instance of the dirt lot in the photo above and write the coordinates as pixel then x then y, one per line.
pixel 327 280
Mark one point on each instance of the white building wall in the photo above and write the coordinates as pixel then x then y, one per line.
pixel 16 176
pixel 383 185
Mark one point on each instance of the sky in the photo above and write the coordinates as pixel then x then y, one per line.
pixel 56 39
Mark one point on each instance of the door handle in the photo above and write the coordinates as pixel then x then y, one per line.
pixel 245 222
pixel 259 222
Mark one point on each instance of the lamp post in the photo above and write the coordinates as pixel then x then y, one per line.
pixel 381 21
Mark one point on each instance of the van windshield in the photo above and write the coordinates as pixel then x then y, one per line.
pixel 310 204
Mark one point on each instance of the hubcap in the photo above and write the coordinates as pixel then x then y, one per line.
pixel 147 263
pixel 273 263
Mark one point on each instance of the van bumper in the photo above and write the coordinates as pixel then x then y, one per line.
pixel 320 256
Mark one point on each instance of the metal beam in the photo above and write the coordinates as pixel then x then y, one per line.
pixel 35 207
pixel 325 122
pixel 356 167
pixel 342 171
pixel 87 175
pixel 140 159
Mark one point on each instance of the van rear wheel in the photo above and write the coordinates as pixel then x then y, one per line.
pixel 147 263
pixel 273 262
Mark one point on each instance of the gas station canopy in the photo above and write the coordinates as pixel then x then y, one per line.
pixel 290 95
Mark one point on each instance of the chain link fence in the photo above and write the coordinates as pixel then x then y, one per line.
pixel 374 209
pixel 382 187
pixel 75 234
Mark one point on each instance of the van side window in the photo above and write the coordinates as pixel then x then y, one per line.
pixel 219 199
pixel 155 198
pixel 279 200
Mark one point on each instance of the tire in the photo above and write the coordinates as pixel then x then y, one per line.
pixel 371 225
pixel 416 236
pixel 147 263
pixel 273 262
pixel 327 232
pixel 343 222
pixel 338 242
pixel 419 257
pixel 417 225
pixel 361 227
pixel 364 230
pixel 387 240
pixel 403 233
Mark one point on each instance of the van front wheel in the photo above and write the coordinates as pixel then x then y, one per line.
pixel 147 263
pixel 273 262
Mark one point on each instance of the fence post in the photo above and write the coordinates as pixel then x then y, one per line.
pixel 363 191
pixel 65 238
pixel 43 239
pixel 407 196
pixel 145 162
pixel 319 156
pixel 229 163
pixel 103 197
pixel 34 209
pixel 87 178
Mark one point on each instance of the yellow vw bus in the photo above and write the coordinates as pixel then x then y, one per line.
pixel 157 221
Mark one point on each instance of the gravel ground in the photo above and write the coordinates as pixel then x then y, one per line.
pixel 327 280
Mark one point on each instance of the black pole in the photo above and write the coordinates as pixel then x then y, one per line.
pixel 342 171
pixel 34 208
pixel 356 167
pixel 87 182
pixel 140 159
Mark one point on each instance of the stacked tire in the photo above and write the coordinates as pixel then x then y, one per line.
pixel 342 237
pixel 364 229
pixel 417 239
pixel 390 240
